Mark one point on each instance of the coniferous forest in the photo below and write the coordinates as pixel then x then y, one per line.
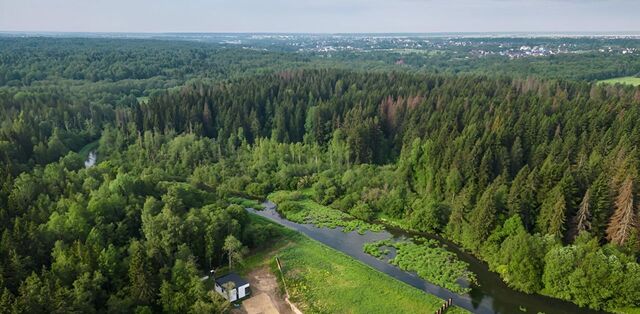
pixel 536 175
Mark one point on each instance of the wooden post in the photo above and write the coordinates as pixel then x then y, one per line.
pixel 445 306
pixel 286 291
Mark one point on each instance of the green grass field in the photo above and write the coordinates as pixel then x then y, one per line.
pixel 629 80
pixel 323 280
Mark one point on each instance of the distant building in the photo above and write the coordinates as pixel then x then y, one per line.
pixel 240 287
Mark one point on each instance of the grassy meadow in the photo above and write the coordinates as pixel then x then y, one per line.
pixel 629 80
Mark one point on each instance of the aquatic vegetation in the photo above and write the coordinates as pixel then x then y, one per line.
pixel 298 207
pixel 428 259
pixel 378 249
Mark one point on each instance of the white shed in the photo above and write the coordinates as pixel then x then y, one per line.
pixel 240 287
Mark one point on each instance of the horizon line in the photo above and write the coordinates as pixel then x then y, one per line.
pixel 556 33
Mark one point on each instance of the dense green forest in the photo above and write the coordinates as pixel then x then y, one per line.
pixel 536 176
pixel 469 157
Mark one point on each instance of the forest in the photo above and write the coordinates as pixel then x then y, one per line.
pixel 537 176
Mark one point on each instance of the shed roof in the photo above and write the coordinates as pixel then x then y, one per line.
pixel 237 280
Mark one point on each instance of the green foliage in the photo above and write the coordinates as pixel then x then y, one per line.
pixel 522 260
pixel 140 277
pixel 246 203
pixel 234 249
pixel 552 213
pixel 456 154
pixel 590 275
pixel 521 199
pixel 362 211
pixel 482 217
pixel 428 215
pixel 299 208
pixel 378 249
pixel 427 258
pixel 186 293
pixel 103 230
pixel 325 191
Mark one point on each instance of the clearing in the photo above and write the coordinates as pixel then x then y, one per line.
pixel 266 297
pixel 629 80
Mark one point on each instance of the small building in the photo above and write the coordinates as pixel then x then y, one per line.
pixel 240 287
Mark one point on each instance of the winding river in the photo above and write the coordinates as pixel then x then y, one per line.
pixel 491 295
pixel 91 160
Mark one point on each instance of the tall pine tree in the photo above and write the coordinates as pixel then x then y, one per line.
pixel 553 212
pixel 624 218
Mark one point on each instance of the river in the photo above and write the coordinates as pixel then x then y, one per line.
pixel 490 295
pixel 91 159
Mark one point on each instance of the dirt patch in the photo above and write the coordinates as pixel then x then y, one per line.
pixel 259 304
pixel 266 297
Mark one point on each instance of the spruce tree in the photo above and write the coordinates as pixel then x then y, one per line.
pixel 552 213
pixel 624 218
pixel 140 279
pixel 600 206
pixel 521 198
pixel 582 220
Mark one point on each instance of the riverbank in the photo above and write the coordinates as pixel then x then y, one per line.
pixel 323 280
pixel 439 266
pixel 489 295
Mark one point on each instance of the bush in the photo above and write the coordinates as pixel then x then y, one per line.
pixel 391 203
pixel 257 190
pixel 289 207
pixel 325 191
pixel 362 211
pixel 284 196
pixel 346 202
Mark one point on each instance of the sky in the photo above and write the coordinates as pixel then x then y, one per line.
pixel 320 16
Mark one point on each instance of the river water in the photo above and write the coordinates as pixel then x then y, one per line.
pixel 91 160
pixel 490 295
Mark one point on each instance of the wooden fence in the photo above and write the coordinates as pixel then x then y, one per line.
pixel 445 306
